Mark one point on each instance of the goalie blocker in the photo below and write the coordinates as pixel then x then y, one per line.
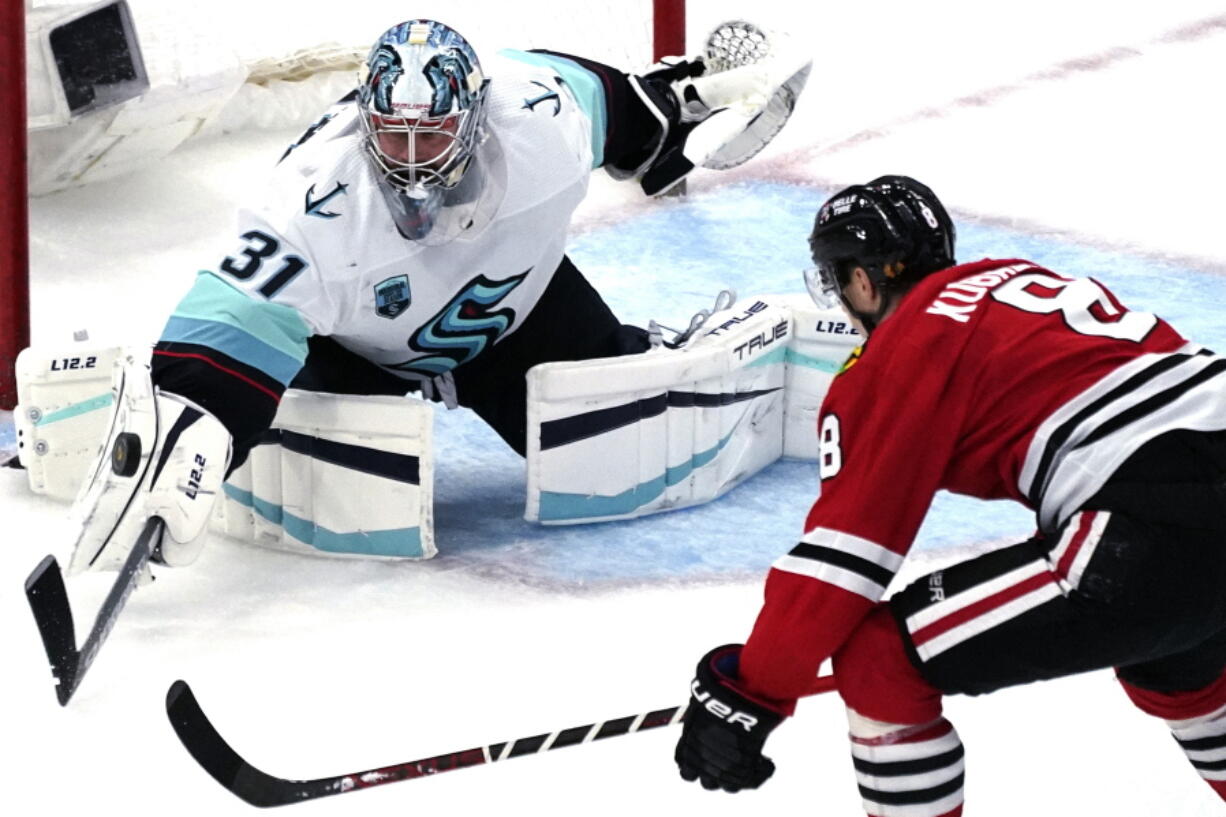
pixel 162 456
pixel 336 475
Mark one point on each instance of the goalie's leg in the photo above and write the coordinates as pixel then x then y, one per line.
pixel 569 322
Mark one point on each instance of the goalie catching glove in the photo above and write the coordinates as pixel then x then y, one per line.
pixel 163 456
pixel 724 730
pixel 720 109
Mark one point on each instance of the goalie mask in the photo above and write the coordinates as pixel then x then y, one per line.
pixel 422 104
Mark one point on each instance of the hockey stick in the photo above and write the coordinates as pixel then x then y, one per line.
pixel 260 789
pixel 53 614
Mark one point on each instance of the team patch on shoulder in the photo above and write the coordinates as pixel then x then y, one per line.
pixel 392 296
pixel 549 95
pixel 315 207
pixel 852 359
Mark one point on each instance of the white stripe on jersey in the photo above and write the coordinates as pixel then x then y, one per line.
pixel 849 580
pixel 1078 470
pixel 857 565
pixel 856 546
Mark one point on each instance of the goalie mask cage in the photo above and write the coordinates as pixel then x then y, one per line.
pixel 642 31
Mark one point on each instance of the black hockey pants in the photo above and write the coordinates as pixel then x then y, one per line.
pixel 1136 581
pixel 570 322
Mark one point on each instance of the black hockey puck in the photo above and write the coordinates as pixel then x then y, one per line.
pixel 125 455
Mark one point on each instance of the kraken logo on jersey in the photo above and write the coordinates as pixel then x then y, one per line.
pixel 463 328
pixel 392 296
pixel 385 70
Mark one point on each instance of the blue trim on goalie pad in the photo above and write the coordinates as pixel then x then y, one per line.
pixel 797 359
pixel 77 409
pixel 555 506
pixel 404 542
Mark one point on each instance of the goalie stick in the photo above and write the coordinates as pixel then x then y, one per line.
pixel 53 614
pixel 258 788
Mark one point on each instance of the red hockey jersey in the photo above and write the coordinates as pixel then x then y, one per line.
pixel 993 379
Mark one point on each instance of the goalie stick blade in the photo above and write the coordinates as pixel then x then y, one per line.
pixel 49 603
pixel 53 614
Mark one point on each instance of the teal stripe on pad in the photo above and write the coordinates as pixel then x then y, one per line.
pixel 798 359
pixel 77 409
pixel 558 506
pixel 774 356
pixel 586 87
pixel 402 542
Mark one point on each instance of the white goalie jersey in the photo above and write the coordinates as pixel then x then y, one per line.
pixel 322 255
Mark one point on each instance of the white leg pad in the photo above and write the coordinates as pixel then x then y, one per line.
pixel 338 475
pixel 64 408
pixel 820 345
pixel 618 438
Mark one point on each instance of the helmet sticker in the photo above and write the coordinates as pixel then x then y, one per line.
pixel 385 69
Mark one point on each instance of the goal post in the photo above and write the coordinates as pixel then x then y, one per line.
pixel 14 213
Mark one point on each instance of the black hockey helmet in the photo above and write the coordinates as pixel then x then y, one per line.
pixel 894 227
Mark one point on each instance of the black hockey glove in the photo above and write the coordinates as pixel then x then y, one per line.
pixel 722 737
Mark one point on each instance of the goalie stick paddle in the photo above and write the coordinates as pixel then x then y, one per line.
pixel 52 613
pixel 258 788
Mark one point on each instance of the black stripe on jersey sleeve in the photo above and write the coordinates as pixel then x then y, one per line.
pixel 848 561
pixel 1061 435
pixel 630 128
pixel 242 397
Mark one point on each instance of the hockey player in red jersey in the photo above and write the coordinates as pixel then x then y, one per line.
pixel 992 379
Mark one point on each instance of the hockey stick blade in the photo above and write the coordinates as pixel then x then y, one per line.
pixel 260 789
pixel 52 613
pixel 49 602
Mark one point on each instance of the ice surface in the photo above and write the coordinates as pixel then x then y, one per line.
pixel 1079 135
